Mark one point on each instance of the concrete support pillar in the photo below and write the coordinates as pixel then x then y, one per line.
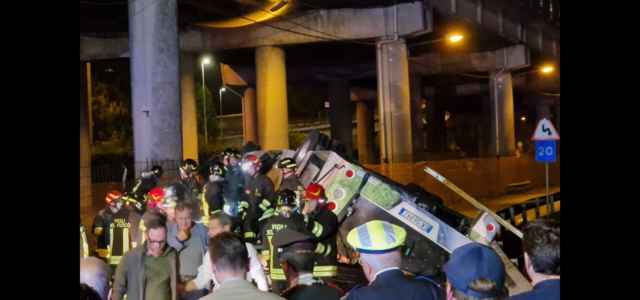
pixel 271 86
pixel 394 104
pixel 249 129
pixel 85 146
pixel 503 138
pixel 341 114
pixel 364 131
pixel 155 84
pixel 188 101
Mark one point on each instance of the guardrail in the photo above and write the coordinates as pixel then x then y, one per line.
pixel 522 213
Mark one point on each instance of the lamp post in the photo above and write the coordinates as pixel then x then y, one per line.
pixel 205 61
pixel 224 89
pixel 452 38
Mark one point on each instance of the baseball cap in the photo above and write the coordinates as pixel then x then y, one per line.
pixel 471 262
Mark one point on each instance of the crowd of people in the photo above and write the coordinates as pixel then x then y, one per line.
pixel 240 236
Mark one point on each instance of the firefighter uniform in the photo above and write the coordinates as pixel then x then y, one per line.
pixel 289 181
pixel 101 225
pixel 119 242
pixel 323 225
pixel 274 225
pixel 142 186
pixel 256 204
pixel 377 237
pixel 103 220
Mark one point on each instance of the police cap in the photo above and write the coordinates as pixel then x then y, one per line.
pixel 289 239
pixel 376 237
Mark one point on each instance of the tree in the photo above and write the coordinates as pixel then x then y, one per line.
pixel 111 114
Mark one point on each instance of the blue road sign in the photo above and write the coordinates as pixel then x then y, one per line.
pixel 546 151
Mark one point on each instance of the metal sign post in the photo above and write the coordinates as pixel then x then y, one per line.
pixel 545 137
pixel 546 180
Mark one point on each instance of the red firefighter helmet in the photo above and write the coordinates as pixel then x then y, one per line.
pixel 112 196
pixel 314 192
pixel 156 195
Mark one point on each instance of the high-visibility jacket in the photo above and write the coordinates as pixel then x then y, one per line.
pixel 256 204
pixel 100 229
pixel 323 224
pixel 273 225
pixel 119 242
pixel 84 246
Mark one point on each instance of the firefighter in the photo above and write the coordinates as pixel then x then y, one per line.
pixel 256 203
pixel 135 200
pixel 233 186
pixel 144 184
pixel 118 230
pixel 211 196
pixel 103 220
pixel 188 175
pixel 289 179
pixel 285 217
pixel 323 224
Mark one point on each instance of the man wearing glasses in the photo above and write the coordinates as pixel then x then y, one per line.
pixel 149 271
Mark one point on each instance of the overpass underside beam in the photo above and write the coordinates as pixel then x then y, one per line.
pixel 542 38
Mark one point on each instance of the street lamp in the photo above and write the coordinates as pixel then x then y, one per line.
pixel 455 37
pixel 222 90
pixel 452 38
pixel 205 61
pixel 547 69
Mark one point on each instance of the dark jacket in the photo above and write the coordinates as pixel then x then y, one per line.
pixel 103 221
pixel 258 195
pixel 212 195
pixel 319 291
pixel 323 225
pixel 130 278
pixel 274 225
pixel 547 290
pixel 393 284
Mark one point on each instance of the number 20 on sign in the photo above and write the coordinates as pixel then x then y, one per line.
pixel 546 151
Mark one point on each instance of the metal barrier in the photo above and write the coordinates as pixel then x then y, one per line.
pixel 533 209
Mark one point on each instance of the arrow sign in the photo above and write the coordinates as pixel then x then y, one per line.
pixel 545 131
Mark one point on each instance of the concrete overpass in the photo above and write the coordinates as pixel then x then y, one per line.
pixel 163 54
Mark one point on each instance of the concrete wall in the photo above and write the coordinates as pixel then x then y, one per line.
pixel 480 178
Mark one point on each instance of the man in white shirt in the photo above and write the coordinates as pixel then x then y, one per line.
pixel 218 223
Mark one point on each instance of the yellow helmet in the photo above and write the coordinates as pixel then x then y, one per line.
pixel 376 236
